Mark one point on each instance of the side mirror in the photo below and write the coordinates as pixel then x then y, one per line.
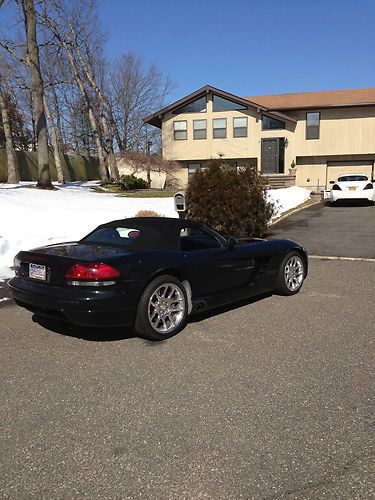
pixel 231 243
pixel 331 182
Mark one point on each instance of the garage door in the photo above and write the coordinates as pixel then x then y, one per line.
pixel 337 168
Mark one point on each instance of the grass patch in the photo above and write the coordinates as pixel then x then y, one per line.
pixel 148 194
pixel 141 193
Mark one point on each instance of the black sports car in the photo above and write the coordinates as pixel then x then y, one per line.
pixel 152 273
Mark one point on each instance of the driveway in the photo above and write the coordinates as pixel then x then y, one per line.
pixel 342 231
pixel 271 399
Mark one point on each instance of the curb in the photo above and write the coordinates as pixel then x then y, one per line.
pixel 333 257
pixel 296 210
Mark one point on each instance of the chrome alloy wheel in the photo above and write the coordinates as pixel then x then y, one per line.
pixel 294 273
pixel 166 308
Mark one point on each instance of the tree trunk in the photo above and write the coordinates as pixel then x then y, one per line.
pixel 55 144
pixel 13 175
pixel 94 127
pixel 115 129
pixel 111 161
pixel 44 177
pixel 58 127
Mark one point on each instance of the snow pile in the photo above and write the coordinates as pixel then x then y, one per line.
pixel 30 218
pixel 285 199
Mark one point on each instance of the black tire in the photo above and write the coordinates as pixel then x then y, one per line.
pixel 148 309
pixel 283 284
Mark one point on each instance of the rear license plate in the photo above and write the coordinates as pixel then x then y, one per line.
pixel 352 188
pixel 37 272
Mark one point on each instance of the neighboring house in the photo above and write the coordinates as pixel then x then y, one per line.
pixel 324 133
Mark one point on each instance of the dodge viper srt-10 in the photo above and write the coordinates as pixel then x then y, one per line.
pixel 152 274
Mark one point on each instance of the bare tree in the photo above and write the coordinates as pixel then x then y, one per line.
pixel 44 177
pixel 58 31
pixel 138 89
pixel 13 175
pixel 92 106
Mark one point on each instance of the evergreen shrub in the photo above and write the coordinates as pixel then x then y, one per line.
pixel 132 182
pixel 230 200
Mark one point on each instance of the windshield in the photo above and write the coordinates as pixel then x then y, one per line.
pixel 352 178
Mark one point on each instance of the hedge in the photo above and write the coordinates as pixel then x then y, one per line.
pixel 75 167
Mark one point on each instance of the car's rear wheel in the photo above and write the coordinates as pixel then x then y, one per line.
pixel 162 309
pixel 291 275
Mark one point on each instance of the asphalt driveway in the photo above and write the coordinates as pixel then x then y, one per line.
pixel 342 231
pixel 267 400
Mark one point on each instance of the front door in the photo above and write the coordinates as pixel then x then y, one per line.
pixel 272 161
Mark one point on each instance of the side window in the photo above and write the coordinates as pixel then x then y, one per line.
pixel 180 130
pixel 312 125
pixel 240 127
pixel 219 128
pixel 193 239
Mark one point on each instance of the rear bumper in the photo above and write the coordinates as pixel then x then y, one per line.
pixel 95 308
pixel 364 194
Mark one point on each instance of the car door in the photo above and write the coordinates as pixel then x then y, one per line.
pixel 212 267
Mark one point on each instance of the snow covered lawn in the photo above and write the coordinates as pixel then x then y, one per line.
pixel 30 218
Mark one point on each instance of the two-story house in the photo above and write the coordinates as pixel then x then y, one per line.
pixel 325 134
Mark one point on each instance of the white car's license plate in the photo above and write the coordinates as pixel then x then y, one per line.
pixel 352 188
pixel 37 272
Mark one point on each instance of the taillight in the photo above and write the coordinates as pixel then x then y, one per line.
pixel 335 187
pixel 92 274
pixel 369 186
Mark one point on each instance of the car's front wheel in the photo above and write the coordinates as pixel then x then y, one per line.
pixel 291 275
pixel 162 309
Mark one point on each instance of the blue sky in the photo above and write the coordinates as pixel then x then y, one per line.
pixel 249 47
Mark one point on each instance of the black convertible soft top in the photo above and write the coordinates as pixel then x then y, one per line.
pixel 155 232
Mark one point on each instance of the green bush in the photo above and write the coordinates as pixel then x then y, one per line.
pixel 232 201
pixel 133 182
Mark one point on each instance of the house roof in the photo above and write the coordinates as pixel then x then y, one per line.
pixel 156 118
pixel 310 100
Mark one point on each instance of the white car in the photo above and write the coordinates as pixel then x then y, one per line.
pixel 352 187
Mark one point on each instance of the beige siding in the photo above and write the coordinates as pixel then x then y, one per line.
pixel 344 131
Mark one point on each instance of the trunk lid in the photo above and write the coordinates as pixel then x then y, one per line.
pixel 51 263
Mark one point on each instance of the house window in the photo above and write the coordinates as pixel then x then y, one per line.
pixel 312 125
pixel 240 127
pixel 221 104
pixel 219 128
pixel 200 129
pixel 269 123
pixel 192 168
pixel 197 106
pixel 180 130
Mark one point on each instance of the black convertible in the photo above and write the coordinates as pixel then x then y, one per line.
pixel 152 273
